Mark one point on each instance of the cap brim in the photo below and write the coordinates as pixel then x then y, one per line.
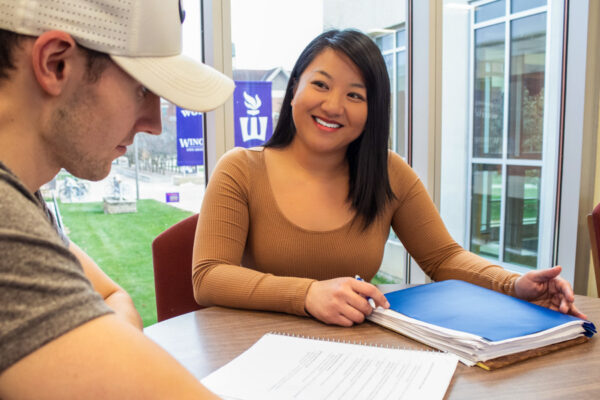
pixel 180 79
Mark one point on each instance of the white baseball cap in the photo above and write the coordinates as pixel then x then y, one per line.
pixel 143 37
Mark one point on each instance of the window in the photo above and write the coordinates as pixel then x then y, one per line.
pixel 259 27
pixel 442 105
pixel 499 128
pixel 392 43
pixel 149 189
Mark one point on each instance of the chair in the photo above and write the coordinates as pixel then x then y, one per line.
pixel 594 228
pixel 172 259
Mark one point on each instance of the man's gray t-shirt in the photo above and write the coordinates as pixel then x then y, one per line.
pixel 43 290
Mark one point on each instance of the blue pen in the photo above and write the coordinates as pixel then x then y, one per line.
pixel 370 300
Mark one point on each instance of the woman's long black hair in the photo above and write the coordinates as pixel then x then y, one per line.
pixel 369 186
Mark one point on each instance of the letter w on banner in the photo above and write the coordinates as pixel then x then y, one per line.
pixel 190 140
pixel 252 110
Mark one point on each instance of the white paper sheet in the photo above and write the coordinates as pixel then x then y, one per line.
pixel 284 367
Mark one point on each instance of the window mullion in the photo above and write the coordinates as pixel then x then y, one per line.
pixel 470 160
pixel 505 127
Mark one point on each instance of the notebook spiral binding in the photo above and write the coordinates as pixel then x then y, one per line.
pixel 359 343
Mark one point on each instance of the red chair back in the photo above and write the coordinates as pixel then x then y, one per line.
pixel 172 259
pixel 594 229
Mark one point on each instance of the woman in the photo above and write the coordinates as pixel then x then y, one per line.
pixel 287 226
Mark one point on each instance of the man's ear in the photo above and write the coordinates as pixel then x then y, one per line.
pixel 53 55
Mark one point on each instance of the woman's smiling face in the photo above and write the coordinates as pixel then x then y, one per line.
pixel 329 106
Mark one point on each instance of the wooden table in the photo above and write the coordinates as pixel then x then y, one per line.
pixel 208 339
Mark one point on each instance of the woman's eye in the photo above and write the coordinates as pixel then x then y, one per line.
pixel 357 96
pixel 320 84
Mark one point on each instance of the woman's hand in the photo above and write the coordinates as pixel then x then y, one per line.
pixel 342 301
pixel 548 289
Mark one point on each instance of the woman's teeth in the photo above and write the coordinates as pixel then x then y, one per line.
pixel 327 124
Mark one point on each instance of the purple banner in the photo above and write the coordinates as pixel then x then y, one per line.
pixel 172 197
pixel 252 113
pixel 190 141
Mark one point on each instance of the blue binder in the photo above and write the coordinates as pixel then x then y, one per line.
pixel 465 307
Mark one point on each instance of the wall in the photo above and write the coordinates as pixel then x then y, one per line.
pixel 593 86
pixel 455 119
pixel 592 291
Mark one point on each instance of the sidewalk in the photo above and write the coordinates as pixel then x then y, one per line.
pixel 151 186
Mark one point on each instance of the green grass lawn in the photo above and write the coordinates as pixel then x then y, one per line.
pixel 121 244
pixel 379 279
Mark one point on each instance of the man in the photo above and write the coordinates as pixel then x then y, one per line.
pixel 78 80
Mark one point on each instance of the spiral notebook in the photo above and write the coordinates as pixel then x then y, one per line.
pixel 280 366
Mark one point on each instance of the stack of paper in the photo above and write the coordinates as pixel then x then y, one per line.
pixel 287 367
pixel 475 323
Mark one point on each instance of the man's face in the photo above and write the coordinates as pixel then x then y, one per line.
pixel 95 122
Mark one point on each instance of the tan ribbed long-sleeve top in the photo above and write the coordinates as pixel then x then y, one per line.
pixel 248 255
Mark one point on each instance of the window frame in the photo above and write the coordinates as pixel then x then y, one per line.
pixel 216 45
pixel 394 52
pixel 550 131
pixel 580 88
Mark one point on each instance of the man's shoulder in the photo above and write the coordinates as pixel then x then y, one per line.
pixel 13 195
pixel 44 290
pixel 21 212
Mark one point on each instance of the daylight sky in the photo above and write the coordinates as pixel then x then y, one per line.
pixel 266 33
